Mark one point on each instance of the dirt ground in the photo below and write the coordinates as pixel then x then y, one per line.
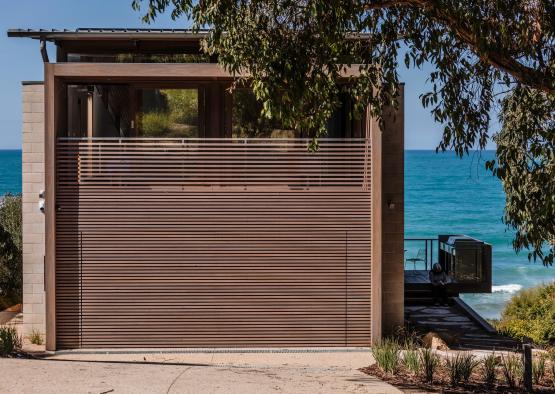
pixel 242 373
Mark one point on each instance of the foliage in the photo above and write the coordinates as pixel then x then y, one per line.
pixel 526 167
pixel 483 54
pixel 511 365
pixel 10 251
pixel 429 362
pixel 155 124
pixel 551 356
pixel 538 368
pixel 490 368
pixel 247 117
pixel 387 355
pixel 531 314
pixel 173 113
pixel 10 217
pixel 461 367
pixel 411 360
pixel 10 341
pixel 36 337
pixel 182 105
pixel 407 337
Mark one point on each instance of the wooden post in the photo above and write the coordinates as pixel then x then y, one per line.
pixel 527 361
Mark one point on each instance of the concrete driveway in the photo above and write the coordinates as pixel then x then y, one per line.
pixel 202 372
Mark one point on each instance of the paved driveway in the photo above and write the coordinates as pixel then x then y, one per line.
pixel 328 372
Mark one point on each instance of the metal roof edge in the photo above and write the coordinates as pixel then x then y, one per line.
pixel 105 33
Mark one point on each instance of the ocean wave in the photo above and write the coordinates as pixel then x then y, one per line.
pixel 510 288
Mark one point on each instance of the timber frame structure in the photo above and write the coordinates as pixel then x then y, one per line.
pixel 257 242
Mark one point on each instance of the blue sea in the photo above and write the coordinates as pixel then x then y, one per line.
pixel 443 195
pixel 10 171
pixel 448 195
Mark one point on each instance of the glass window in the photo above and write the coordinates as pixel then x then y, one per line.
pixel 248 122
pixel 138 58
pixel 99 111
pixel 168 113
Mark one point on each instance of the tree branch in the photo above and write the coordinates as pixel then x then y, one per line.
pixel 532 77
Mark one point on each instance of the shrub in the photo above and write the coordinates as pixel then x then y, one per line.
pixel 538 369
pixel 530 314
pixel 407 338
pixel 490 368
pixel 386 354
pixel 512 369
pixel 429 362
pixel 411 360
pixel 35 337
pixel 155 124
pixel 10 341
pixel 551 355
pixel 461 367
pixel 10 251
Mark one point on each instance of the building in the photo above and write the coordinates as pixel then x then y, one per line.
pixel 160 210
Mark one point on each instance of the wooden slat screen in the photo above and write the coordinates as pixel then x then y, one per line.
pixel 185 243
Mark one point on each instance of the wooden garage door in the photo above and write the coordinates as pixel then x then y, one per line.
pixel 185 243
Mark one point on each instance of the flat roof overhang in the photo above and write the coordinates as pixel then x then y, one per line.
pixel 116 34
pixel 125 40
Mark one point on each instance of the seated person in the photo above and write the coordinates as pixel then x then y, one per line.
pixel 438 279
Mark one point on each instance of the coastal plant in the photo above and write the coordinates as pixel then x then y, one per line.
pixel 387 355
pixel 511 365
pixel 10 341
pixel 11 273
pixel 411 360
pixel 489 364
pixel 530 314
pixel 461 367
pixel 538 368
pixel 36 337
pixel 551 356
pixel 429 361
pixel 406 337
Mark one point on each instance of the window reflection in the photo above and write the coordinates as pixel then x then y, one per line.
pixel 170 113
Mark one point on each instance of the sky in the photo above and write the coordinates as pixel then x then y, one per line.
pixel 21 60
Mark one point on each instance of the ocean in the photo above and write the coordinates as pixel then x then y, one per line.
pixel 443 195
pixel 448 195
pixel 10 171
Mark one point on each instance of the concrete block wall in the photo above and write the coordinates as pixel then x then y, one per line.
pixel 33 218
pixel 393 212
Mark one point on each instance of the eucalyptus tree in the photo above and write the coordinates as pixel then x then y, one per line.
pixel 487 56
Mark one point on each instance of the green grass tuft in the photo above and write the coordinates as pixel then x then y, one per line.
pixel 512 368
pixel 36 337
pixel 387 355
pixel 429 361
pixel 10 341
pixel 490 364
pixel 461 367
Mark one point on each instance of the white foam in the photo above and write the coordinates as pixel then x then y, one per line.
pixel 510 288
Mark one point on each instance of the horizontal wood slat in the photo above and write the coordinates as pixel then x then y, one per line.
pixel 205 163
pixel 154 250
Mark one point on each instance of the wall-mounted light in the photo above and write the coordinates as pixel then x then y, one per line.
pixel 41 201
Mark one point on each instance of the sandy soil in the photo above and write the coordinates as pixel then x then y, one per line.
pixel 328 372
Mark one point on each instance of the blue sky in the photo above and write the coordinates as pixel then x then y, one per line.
pixel 21 60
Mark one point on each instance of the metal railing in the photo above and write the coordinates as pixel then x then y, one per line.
pixel 420 253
